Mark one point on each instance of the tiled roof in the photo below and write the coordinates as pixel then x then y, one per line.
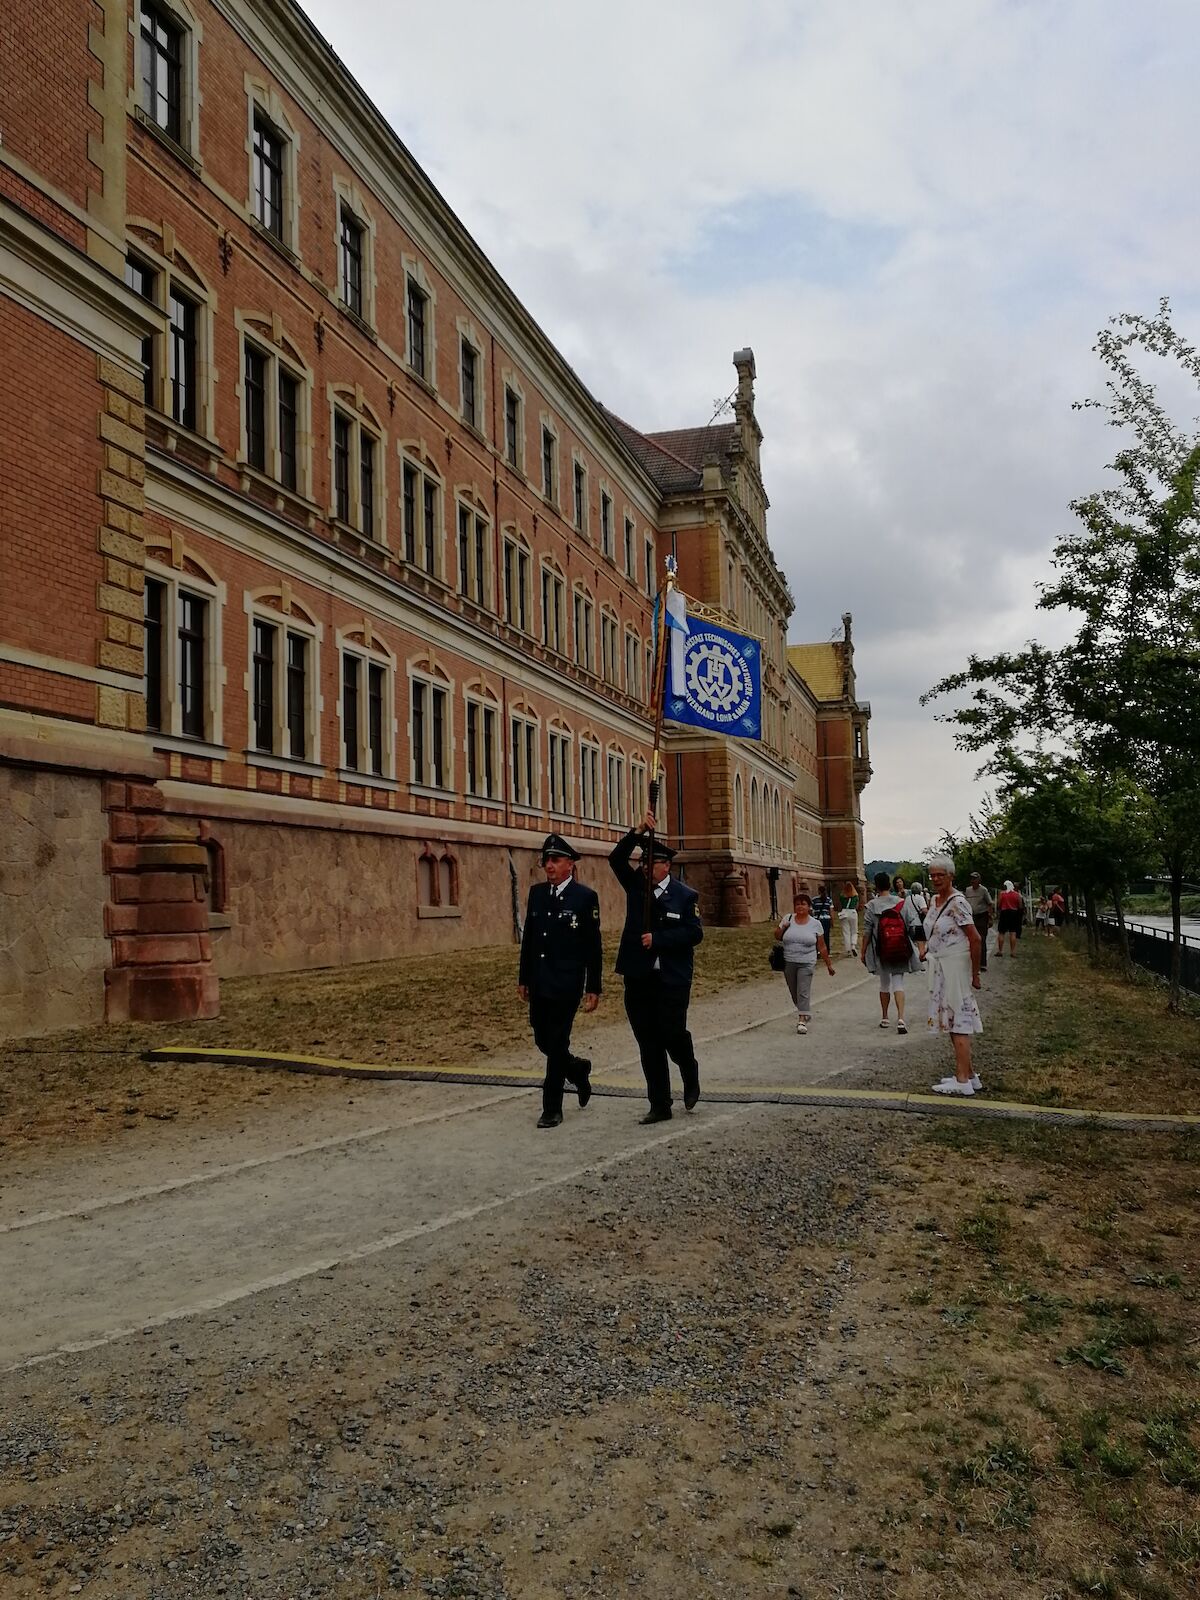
pixel 674 459
pixel 821 667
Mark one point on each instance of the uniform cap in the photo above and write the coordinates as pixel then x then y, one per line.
pixel 660 850
pixel 555 845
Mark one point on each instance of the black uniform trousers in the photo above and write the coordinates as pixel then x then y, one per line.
pixel 657 1013
pixel 552 1017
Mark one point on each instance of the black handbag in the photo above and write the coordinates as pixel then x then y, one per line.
pixel 775 960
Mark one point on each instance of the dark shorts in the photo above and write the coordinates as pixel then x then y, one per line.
pixel 1010 922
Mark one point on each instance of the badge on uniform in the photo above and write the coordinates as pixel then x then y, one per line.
pixel 672 916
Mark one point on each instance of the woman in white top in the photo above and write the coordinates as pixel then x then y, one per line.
pixel 952 948
pixel 803 941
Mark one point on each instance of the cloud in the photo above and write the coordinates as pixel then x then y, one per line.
pixel 918 216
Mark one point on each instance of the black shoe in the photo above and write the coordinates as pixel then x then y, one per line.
pixel 690 1097
pixel 549 1119
pixel 656 1116
pixel 584 1090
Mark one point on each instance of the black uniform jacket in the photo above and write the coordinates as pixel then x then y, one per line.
pixel 560 948
pixel 674 922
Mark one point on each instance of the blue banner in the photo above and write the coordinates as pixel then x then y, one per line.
pixel 718 683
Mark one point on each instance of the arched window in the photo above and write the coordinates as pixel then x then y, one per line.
pixel 739 809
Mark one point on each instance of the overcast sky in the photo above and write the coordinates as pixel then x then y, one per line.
pixel 917 214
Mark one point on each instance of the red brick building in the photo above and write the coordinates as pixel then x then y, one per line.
pixel 326 582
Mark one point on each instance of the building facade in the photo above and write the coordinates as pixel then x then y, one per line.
pixel 327 583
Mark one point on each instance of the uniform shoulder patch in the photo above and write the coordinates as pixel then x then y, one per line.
pixel 596 913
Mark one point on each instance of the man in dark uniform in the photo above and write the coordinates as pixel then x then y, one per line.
pixel 657 966
pixel 561 963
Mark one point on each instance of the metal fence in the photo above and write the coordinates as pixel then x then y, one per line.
pixel 1150 947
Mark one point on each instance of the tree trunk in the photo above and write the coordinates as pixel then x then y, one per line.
pixel 1126 958
pixel 1093 932
pixel 1176 866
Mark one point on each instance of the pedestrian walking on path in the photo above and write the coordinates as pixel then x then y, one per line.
pixel 1012 912
pixel 952 948
pixel 891 935
pixel 822 909
pixel 561 964
pixel 656 963
pixel 848 917
pixel 803 944
pixel 979 898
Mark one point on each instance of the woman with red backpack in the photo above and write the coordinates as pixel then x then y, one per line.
pixel 891 934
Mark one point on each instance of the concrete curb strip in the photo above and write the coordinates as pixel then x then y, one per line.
pixel 843 1099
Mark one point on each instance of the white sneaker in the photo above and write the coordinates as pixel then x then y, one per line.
pixel 952 1086
pixel 802 1027
pixel 976 1084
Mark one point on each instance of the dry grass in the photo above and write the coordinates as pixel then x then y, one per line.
pixel 91 1084
pixel 1035 1427
pixel 1086 1036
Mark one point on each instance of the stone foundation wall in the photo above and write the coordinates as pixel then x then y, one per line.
pixel 53 949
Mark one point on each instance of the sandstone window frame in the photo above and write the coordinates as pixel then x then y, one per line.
pixel 367 520
pixel 183 21
pixel 349 199
pixel 516 579
pixel 360 644
pixel 264 103
pixel 630 546
pixel 591 793
pixel 739 810
pixel 175 276
pixel 650 575
pixel 524 759
pixel 416 277
pixel 275 607
pixel 550 458
pixel 610 647
pixel 426 543
pixel 581 495
pixel 182 572
pixel 552 586
pixel 608 542
pixel 480 585
pixel 474 416
pixel 633 663
pixel 616 771
pixel 583 627
pixel 560 768
pixel 638 789
pixel 482 756
pixel 513 449
pixel 425 673
pixel 266 335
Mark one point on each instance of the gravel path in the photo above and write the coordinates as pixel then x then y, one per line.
pixel 595 1388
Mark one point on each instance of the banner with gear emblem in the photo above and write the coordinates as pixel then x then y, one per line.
pixel 714 678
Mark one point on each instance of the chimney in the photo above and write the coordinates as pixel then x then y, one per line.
pixel 743 406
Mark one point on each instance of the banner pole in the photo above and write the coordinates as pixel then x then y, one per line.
pixel 658 705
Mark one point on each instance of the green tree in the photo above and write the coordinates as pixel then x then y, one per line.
pixel 1124 693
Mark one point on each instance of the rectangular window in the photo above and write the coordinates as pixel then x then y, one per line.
pixel 297 696
pixel 268 176
pixel 638 773
pixel 512 426
pixel 553 619
pixel 256 408
pixel 560 771
pixel 142 280
pixel 351 236
pixel 630 550
pixel 524 762
pixel 608 648
pixel 154 614
pixel 350 677
pixel 549 445
pixel 616 789
pixel 162 75
pixel 409 507
pixel 589 782
pixel 584 643
pixel 470 361
pixel 182 317
pixel 418 301
pixel 516 585
pixel 366 483
pixel 341 466
pixel 193 616
pixel 606 525
pixel 650 573
pixel 472 556
pixel 376 681
pixel 633 663
pixel 438 751
pixel 420 694
pixel 481 750
pixel 289 429
pixel 430 508
pixel 264 685
pixel 580 497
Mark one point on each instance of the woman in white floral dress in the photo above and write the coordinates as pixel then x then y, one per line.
pixel 952 949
